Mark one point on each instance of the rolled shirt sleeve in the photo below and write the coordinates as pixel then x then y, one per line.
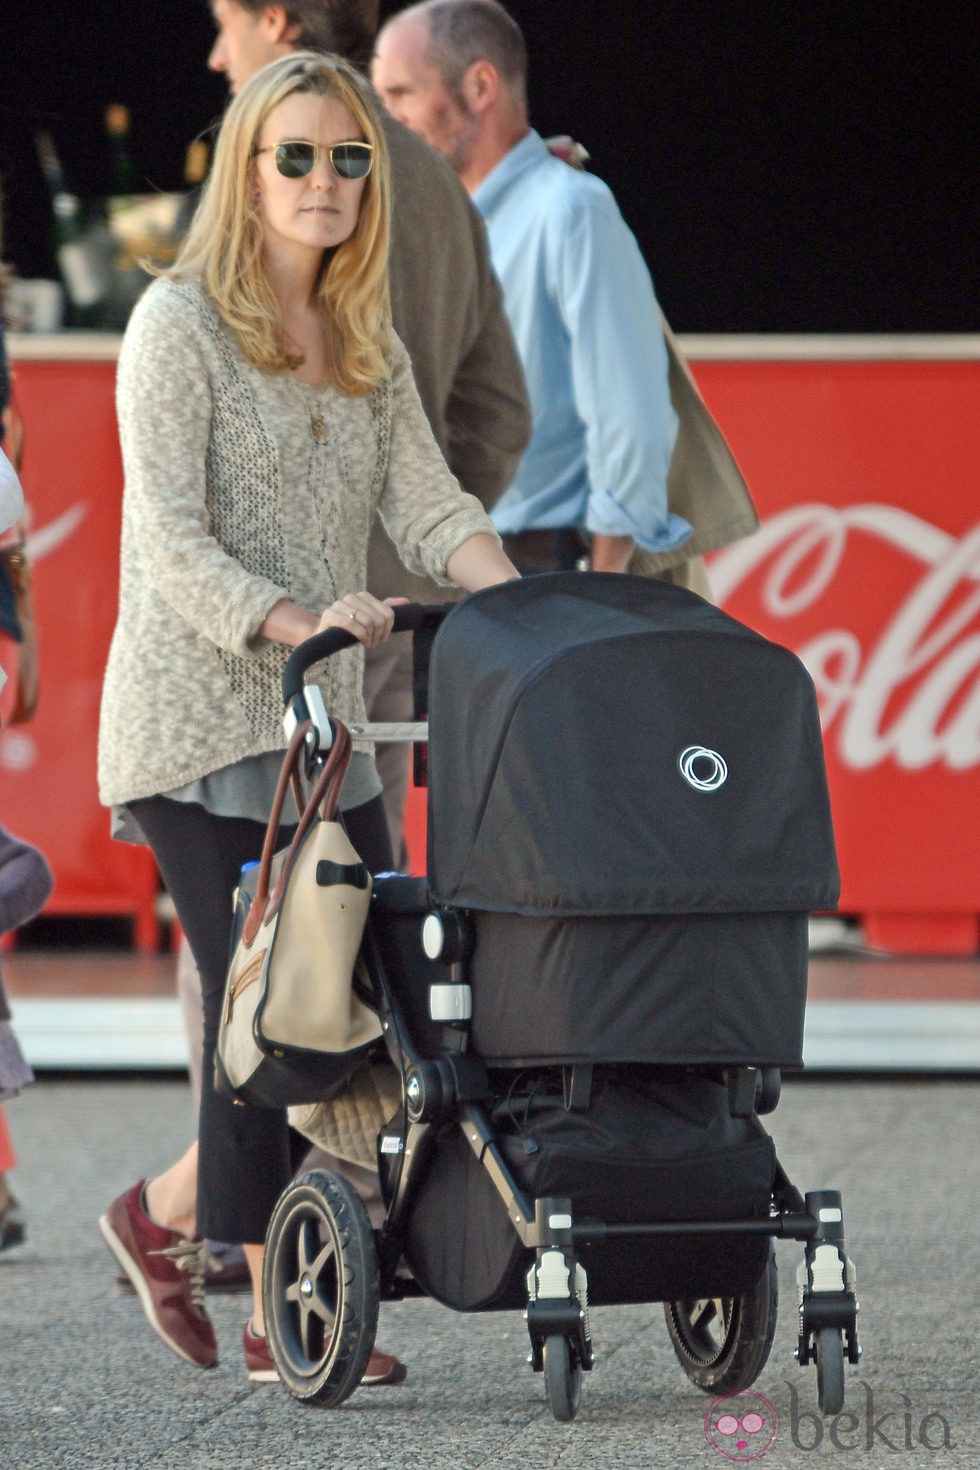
pixel 619 372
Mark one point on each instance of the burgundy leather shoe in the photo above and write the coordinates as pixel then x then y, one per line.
pixel 225 1269
pixel 258 1359
pixel 382 1369
pixel 167 1273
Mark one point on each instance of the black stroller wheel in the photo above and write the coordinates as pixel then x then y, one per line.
pixel 723 1343
pixel 830 1370
pixel 562 1378
pixel 320 1289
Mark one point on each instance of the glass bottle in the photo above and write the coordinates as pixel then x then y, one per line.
pixel 125 176
pixel 196 162
pixel 80 256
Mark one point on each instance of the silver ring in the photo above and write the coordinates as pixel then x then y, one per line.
pixel 353 617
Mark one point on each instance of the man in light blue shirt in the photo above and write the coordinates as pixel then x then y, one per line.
pixel 576 289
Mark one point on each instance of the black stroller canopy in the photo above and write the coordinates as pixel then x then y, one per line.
pixel 613 745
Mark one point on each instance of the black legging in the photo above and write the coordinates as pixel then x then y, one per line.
pixel 244 1161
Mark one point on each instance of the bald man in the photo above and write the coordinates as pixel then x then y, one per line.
pixel 626 470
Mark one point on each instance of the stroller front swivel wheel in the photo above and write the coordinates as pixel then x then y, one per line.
pixel 562 1378
pixel 320 1288
pixel 723 1343
pixel 830 1370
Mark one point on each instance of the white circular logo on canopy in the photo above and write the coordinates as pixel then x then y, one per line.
pixel 702 768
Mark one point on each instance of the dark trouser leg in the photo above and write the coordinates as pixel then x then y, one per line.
pixel 388 696
pixel 244 1161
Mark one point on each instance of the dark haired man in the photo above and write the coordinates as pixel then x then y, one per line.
pixel 625 466
pixel 252 33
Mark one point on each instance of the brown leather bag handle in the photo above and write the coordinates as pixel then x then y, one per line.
pixel 325 793
pixel 322 800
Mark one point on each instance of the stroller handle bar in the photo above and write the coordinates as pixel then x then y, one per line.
pixel 409 618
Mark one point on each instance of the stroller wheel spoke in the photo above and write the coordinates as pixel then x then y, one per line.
pixel 707 1313
pixel 307 1244
pixel 317 1324
pixel 319 1265
pixel 324 1310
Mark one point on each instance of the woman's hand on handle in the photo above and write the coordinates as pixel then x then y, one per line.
pixel 366 617
pixel 477 562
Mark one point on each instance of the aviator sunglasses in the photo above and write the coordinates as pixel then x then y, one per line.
pixel 297 160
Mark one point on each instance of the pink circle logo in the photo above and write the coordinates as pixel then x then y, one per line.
pixel 741 1426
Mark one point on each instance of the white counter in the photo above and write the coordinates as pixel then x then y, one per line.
pixel 699 347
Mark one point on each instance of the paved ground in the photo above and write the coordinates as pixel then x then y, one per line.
pixel 83 1382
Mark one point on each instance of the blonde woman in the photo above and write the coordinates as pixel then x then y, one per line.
pixel 266 411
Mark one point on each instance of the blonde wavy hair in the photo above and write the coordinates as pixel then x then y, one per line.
pixel 223 247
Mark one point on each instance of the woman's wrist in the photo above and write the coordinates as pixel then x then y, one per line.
pixel 287 622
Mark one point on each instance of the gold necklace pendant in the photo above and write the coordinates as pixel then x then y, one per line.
pixel 318 424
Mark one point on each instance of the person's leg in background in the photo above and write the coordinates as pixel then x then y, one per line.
pixel 188 982
pixel 226 1268
pixel 388 698
pixel 7 1156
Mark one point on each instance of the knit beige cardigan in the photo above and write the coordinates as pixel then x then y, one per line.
pixel 212 538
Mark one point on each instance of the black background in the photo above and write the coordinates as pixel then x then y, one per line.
pixel 786 167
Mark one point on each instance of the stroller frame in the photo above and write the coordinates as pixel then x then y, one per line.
pixel 320 1350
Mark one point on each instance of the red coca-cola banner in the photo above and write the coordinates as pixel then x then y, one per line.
pixel 73 485
pixel 868 566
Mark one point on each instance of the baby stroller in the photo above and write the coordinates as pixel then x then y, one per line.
pixel 589 1000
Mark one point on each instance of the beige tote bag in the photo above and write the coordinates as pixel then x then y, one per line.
pixel 295 1023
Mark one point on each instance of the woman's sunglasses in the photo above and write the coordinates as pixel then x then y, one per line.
pixel 297 160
